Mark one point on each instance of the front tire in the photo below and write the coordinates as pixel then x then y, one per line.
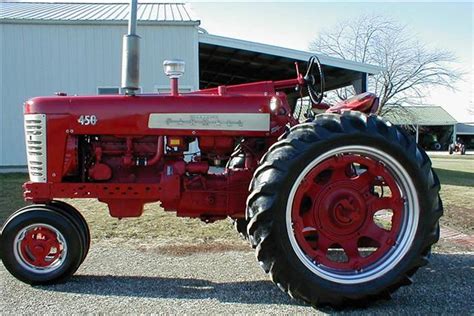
pixel 39 245
pixel 76 217
pixel 314 203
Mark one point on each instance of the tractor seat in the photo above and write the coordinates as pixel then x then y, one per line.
pixel 366 102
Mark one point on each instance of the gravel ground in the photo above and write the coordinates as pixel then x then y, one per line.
pixel 121 278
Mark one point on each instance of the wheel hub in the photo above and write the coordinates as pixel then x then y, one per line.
pixel 40 247
pixel 340 211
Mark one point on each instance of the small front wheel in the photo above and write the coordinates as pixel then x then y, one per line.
pixel 76 217
pixel 40 246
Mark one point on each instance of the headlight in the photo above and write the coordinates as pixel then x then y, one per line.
pixel 275 104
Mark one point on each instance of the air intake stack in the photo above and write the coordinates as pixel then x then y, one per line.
pixel 131 54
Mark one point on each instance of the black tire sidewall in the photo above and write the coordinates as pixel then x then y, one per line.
pixel 76 217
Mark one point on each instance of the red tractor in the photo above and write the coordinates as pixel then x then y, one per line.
pixel 341 209
pixel 457 147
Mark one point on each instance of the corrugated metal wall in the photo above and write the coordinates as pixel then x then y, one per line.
pixel 40 59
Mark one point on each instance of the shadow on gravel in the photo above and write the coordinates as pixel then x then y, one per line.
pixel 252 292
pixel 445 285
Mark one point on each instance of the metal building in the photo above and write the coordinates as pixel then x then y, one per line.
pixel 76 48
pixel 433 127
pixel 465 131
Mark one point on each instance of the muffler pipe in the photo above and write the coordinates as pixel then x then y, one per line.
pixel 131 54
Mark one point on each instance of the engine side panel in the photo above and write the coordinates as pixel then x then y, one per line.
pixel 131 150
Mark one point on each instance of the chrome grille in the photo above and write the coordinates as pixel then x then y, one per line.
pixel 35 137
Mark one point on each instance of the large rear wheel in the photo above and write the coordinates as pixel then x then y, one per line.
pixel 344 210
pixel 240 225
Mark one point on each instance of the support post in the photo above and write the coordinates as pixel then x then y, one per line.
pixel 417 133
pixel 455 131
pixel 361 85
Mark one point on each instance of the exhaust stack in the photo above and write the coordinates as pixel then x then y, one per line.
pixel 131 54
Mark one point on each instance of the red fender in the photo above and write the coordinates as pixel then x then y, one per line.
pixel 366 102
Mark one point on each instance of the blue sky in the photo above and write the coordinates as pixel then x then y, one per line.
pixel 440 25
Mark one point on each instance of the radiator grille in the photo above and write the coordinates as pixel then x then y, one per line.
pixel 35 137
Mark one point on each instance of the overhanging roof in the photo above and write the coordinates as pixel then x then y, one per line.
pixel 225 60
pixel 286 52
pixel 105 12
pixel 428 115
pixel 465 128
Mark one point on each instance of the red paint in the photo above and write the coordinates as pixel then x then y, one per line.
pixel 70 157
pixel 197 167
pixel 174 87
pixel 125 207
pixel 365 102
pixel 335 207
pixel 40 247
pixel 124 163
pixel 261 87
pixel 159 153
pixel 218 145
pixel 100 172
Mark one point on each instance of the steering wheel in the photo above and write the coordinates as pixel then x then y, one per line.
pixel 315 87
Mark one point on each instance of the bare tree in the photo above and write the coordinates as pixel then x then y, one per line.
pixel 470 108
pixel 410 67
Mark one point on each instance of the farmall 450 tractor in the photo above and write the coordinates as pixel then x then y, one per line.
pixel 308 196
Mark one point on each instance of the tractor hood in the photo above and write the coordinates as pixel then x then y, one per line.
pixel 120 114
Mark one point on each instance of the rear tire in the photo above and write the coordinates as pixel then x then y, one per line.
pixel 297 215
pixel 40 245
pixel 240 225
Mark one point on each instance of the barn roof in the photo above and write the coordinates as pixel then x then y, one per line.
pixel 465 128
pixel 148 12
pixel 429 115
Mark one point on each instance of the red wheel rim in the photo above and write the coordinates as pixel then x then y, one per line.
pixel 40 247
pixel 334 208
